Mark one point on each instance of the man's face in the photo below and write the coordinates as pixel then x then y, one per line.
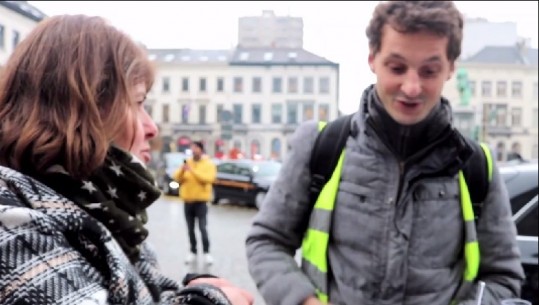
pixel 411 70
pixel 197 152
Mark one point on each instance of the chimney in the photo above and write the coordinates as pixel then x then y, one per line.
pixel 522 47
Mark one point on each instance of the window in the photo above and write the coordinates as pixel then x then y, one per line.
pixel 202 114
pixel 257 84
pixel 324 85
pixel 516 117
pixel 323 112
pixel 256 113
pixel 276 113
pixel 220 84
pixel 238 84
pixel 166 109
pixel 535 88
pixel 255 148
pixel 16 38
pixel 292 113
pixel 535 152
pixel 219 116
pixel 496 115
pixel 2 36
pixel 202 84
pixel 185 113
pixel 185 84
pixel 166 85
pixel 535 119
pixel 237 113
pixel 486 88
pixel 226 168
pixel 501 89
pixel 308 111
pixel 308 85
pixel 516 89
pixel 292 85
pixel 275 148
pixel 471 83
pixel 277 85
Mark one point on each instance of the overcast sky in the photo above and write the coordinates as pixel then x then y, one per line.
pixel 332 29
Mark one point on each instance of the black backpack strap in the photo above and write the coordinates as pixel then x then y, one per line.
pixel 325 155
pixel 476 173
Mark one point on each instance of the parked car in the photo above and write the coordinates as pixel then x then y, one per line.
pixel 171 162
pixel 244 181
pixel 522 185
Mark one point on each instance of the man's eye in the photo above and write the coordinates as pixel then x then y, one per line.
pixel 398 69
pixel 428 72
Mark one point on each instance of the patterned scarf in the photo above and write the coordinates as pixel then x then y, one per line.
pixel 117 195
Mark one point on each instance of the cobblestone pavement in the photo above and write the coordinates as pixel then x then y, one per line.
pixel 227 228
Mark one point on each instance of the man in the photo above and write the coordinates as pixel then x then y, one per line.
pixel 396 234
pixel 196 177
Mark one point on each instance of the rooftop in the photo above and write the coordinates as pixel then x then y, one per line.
pixel 240 56
pixel 512 55
pixel 25 9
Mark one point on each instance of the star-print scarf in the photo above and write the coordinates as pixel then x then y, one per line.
pixel 117 195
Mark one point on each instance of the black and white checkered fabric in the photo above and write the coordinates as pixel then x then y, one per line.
pixel 53 252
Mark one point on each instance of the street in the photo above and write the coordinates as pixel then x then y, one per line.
pixel 227 227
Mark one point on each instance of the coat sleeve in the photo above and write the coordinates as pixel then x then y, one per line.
pixel 40 267
pixel 500 265
pixel 278 228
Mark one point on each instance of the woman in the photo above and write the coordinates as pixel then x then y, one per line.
pixel 73 187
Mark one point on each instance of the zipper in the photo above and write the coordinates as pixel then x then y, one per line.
pixel 401 181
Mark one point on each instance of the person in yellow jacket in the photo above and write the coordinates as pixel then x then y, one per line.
pixel 196 177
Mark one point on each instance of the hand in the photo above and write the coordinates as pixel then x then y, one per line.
pixel 313 301
pixel 186 168
pixel 235 295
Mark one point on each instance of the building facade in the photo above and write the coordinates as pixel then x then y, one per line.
pixel 270 31
pixel 18 18
pixel 503 106
pixel 247 99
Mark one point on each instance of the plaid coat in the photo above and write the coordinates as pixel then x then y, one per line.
pixel 53 252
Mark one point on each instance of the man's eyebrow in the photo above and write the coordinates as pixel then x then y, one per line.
pixel 400 57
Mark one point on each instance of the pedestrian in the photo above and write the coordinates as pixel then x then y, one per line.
pixel 74 187
pixel 396 223
pixel 196 177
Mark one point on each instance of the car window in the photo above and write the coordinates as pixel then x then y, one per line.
pixel 267 169
pixel 226 168
pixel 528 225
pixel 243 170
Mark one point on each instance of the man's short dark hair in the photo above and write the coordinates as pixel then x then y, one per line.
pixel 199 144
pixel 439 17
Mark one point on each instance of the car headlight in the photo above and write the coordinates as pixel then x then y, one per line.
pixel 174 185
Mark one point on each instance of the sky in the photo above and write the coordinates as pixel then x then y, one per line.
pixel 331 29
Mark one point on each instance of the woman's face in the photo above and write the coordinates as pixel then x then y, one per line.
pixel 138 141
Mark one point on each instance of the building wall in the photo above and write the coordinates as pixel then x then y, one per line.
pixel 12 21
pixel 265 132
pixel 269 30
pixel 504 130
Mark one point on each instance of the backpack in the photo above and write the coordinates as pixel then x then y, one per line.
pixel 331 140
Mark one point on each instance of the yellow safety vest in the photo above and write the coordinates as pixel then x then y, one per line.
pixel 316 239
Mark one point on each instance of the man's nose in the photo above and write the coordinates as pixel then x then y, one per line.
pixel 412 85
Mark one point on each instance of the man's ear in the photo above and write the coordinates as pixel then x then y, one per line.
pixel 371 61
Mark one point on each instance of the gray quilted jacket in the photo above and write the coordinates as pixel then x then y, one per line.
pixel 383 250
